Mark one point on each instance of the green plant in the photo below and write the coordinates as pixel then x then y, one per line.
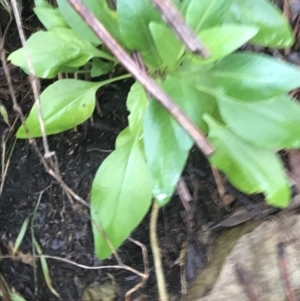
pixel 240 100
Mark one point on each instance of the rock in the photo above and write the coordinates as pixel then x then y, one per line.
pixel 256 252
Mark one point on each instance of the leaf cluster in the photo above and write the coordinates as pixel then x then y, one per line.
pixel 238 99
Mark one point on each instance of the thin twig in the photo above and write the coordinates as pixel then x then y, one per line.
pixel 147 82
pixel 144 276
pixel 146 270
pixel 219 182
pixel 184 194
pixel 160 277
pixel 175 20
pixel 6 164
pixel 16 107
pixel 124 267
pixel 34 81
pixel 67 189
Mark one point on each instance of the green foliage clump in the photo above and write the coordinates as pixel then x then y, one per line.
pixel 239 100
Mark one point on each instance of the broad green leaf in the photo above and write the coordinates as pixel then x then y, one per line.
pixel 249 168
pixel 50 17
pixel 137 103
pixel 272 123
pixel 65 104
pixel 202 14
pixel 64 48
pixel 100 67
pixel 166 144
pixel 102 12
pixel 134 18
pixel 274 29
pixel 121 194
pixel 163 37
pixel 223 40
pixel 220 41
pixel 247 76
pixel 46 61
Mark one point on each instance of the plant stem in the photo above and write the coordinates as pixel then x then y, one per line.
pixel 160 277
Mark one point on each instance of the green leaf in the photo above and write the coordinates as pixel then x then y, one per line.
pixel 65 104
pixel 121 194
pixel 249 168
pixel 101 11
pixel 122 180
pixel 206 13
pixel 100 67
pixel 21 235
pixel 274 29
pixel 134 19
pixel 13 296
pixel 247 76
pixel 220 41
pixel 45 268
pixel 223 40
pixel 50 17
pixel 166 144
pixel 163 37
pixel 64 48
pixel 272 123
pixel 137 103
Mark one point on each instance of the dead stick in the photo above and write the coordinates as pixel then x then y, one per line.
pixel 185 34
pixel 147 82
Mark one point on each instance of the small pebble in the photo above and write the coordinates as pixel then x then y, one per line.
pixel 57 244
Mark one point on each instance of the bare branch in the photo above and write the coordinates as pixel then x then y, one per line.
pixel 174 19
